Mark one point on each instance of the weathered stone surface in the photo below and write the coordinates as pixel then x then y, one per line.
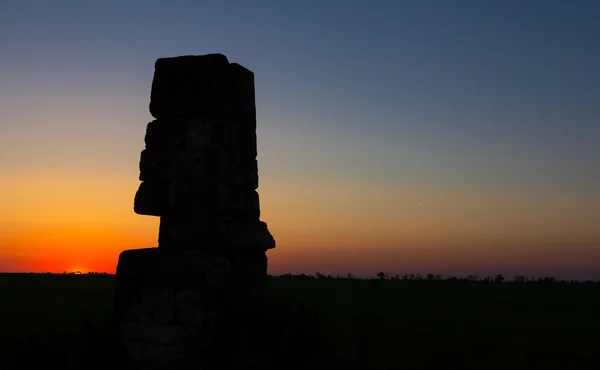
pixel 209 164
pixel 165 134
pixel 214 234
pixel 185 197
pixel 242 95
pixel 236 201
pixel 243 110
pixel 145 350
pixel 165 298
pixel 189 86
pixel 219 199
pixel 151 199
pixel 242 170
pixel 249 268
pixel 183 268
pixel 199 173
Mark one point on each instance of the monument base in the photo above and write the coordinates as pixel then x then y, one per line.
pixel 168 302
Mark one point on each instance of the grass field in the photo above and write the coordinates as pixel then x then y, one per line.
pixel 65 322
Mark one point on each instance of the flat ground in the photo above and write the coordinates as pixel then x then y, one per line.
pixel 64 322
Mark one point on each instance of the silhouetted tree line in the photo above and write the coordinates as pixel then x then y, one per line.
pixel 381 276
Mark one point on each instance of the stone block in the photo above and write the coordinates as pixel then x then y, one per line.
pixel 191 86
pixel 155 353
pixel 243 111
pixel 185 133
pixel 242 169
pixel 239 202
pixel 182 270
pixel 165 134
pixel 151 199
pixel 156 333
pixel 164 299
pixel 162 165
pixel 213 234
pixel 242 94
pixel 200 198
pixel 187 197
pixel 175 165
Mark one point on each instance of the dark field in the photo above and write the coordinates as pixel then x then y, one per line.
pixel 65 322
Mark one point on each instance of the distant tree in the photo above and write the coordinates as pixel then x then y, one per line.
pixel 499 278
pixel 430 277
pixel 438 277
pixel 382 275
pixel 471 277
pixel 549 280
pixel 532 279
pixel 396 277
pixel 520 279
pixel 350 276
pixel 64 272
pixel 418 277
pixel 319 275
pixel 487 279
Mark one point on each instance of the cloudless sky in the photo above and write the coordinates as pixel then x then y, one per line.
pixel 450 137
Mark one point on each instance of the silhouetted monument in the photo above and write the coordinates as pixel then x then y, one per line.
pixel 199 174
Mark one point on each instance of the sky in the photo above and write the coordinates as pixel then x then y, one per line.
pixel 427 136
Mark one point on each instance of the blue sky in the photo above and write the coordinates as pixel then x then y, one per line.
pixel 466 78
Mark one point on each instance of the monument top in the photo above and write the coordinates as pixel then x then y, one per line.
pixel 190 86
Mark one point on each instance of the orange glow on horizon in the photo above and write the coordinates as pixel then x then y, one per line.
pixel 83 222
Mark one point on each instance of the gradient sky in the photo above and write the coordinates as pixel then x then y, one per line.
pixel 453 137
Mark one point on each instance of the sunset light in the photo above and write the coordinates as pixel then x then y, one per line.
pixel 444 149
pixel 299 184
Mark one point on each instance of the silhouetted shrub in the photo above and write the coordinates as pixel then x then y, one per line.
pixel 382 275
pixel 520 279
pixel 319 275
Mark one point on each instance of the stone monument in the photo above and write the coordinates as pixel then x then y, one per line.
pixel 199 174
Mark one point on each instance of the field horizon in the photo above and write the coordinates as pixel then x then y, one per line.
pixel 65 321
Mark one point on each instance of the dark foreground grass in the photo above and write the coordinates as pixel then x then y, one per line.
pixel 65 322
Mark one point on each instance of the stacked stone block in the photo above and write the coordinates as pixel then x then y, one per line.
pixel 199 174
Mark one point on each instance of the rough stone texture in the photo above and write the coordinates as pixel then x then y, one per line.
pixel 197 157
pixel 165 299
pixel 218 235
pixel 190 86
pixel 199 174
